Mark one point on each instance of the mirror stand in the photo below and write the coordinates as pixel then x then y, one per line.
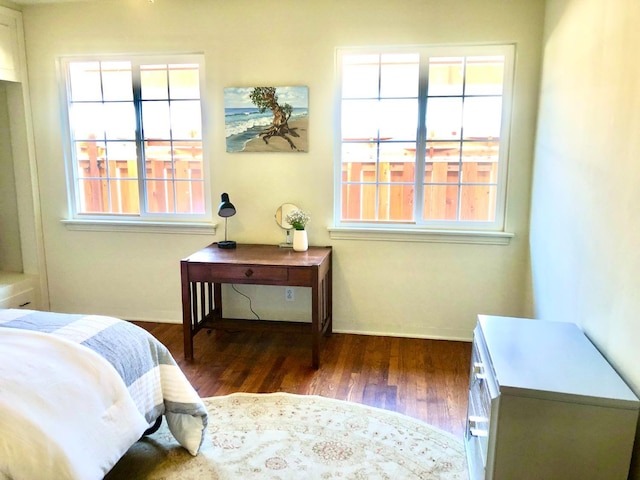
pixel 283 211
pixel 288 243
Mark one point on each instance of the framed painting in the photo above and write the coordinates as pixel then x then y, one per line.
pixel 266 119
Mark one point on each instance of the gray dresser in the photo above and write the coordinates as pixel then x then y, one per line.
pixel 545 404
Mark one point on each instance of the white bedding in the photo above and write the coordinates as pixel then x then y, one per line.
pixel 81 422
pixel 67 413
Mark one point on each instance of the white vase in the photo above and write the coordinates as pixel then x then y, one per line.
pixel 300 241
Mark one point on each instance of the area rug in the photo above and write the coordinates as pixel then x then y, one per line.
pixel 284 436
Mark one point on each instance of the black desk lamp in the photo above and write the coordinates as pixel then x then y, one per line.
pixel 226 210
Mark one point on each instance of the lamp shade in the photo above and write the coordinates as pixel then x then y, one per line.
pixel 226 208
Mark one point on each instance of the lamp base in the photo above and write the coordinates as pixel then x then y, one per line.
pixel 227 244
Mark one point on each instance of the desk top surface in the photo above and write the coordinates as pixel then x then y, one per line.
pixel 253 254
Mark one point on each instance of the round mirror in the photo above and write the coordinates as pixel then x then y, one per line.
pixel 281 215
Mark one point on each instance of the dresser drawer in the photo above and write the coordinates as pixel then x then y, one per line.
pixel 238 273
pixel 19 300
pixel 475 444
pixel 479 409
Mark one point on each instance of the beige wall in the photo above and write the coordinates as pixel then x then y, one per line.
pixel 417 289
pixel 585 224
pixel 9 4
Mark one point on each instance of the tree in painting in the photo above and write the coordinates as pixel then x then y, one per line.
pixel 265 98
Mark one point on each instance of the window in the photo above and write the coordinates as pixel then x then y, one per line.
pixel 135 130
pixel 423 137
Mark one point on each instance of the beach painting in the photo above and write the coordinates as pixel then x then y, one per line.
pixel 266 119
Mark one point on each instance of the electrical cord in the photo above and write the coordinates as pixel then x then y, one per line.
pixel 248 298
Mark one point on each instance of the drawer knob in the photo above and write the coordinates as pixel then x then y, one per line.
pixel 248 273
pixel 478 371
pixel 475 424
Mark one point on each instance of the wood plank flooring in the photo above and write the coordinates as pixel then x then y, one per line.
pixel 425 379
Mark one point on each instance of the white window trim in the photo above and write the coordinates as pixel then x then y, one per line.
pixel 150 223
pixel 432 231
pixel 92 225
pixel 479 237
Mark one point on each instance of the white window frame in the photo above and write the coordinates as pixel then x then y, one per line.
pixel 144 221
pixel 418 230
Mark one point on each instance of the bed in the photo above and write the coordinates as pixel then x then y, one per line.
pixel 76 391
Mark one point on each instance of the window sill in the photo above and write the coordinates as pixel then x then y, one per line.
pixel 426 236
pixel 200 228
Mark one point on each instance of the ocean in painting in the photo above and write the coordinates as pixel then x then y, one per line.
pixel 244 124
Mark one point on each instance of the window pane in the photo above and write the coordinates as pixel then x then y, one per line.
pixel 478 203
pixel 184 82
pixel 123 161
pixel 156 120
pixel 395 202
pixel 189 197
pixel 93 196
pixel 482 117
pixel 484 75
pixel 359 171
pixel 84 79
pixel 399 79
pixel 351 199
pixel 87 120
pixel 444 118
pixel 446 76
pixel 479 172
pixel 116 81
pixel 360 119
pixel 360 76
pixel 185 120
pixel 358 199
pixel 359 152
pixel 350 205
pixel 399 159
pixel 190 153
pixel 398 119
pixel 158 159
pixel 120 121
pixel 443 152
pixel 153 82
pixel 124 196
pixel 196 198
pixel 480 162
pixel 442 172
pixel 440 202
pixel 188 166
pixel 160 198
pixel 89 156
pixel 486 151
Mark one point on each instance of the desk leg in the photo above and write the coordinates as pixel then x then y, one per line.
pixel 217 300
pixel 187 328
pixel 328 298
pixel 316 314
pixel 321 311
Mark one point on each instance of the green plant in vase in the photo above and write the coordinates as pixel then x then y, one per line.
pixel 298 220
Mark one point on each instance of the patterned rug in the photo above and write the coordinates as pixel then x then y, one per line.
pixel 284 436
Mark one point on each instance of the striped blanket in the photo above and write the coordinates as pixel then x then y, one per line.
pixel 76 391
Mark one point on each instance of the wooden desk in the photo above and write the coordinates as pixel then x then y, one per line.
pixel 204 272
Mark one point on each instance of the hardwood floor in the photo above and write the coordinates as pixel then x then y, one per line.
pixel 425 379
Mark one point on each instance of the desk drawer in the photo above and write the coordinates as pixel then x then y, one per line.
pixel 238 274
